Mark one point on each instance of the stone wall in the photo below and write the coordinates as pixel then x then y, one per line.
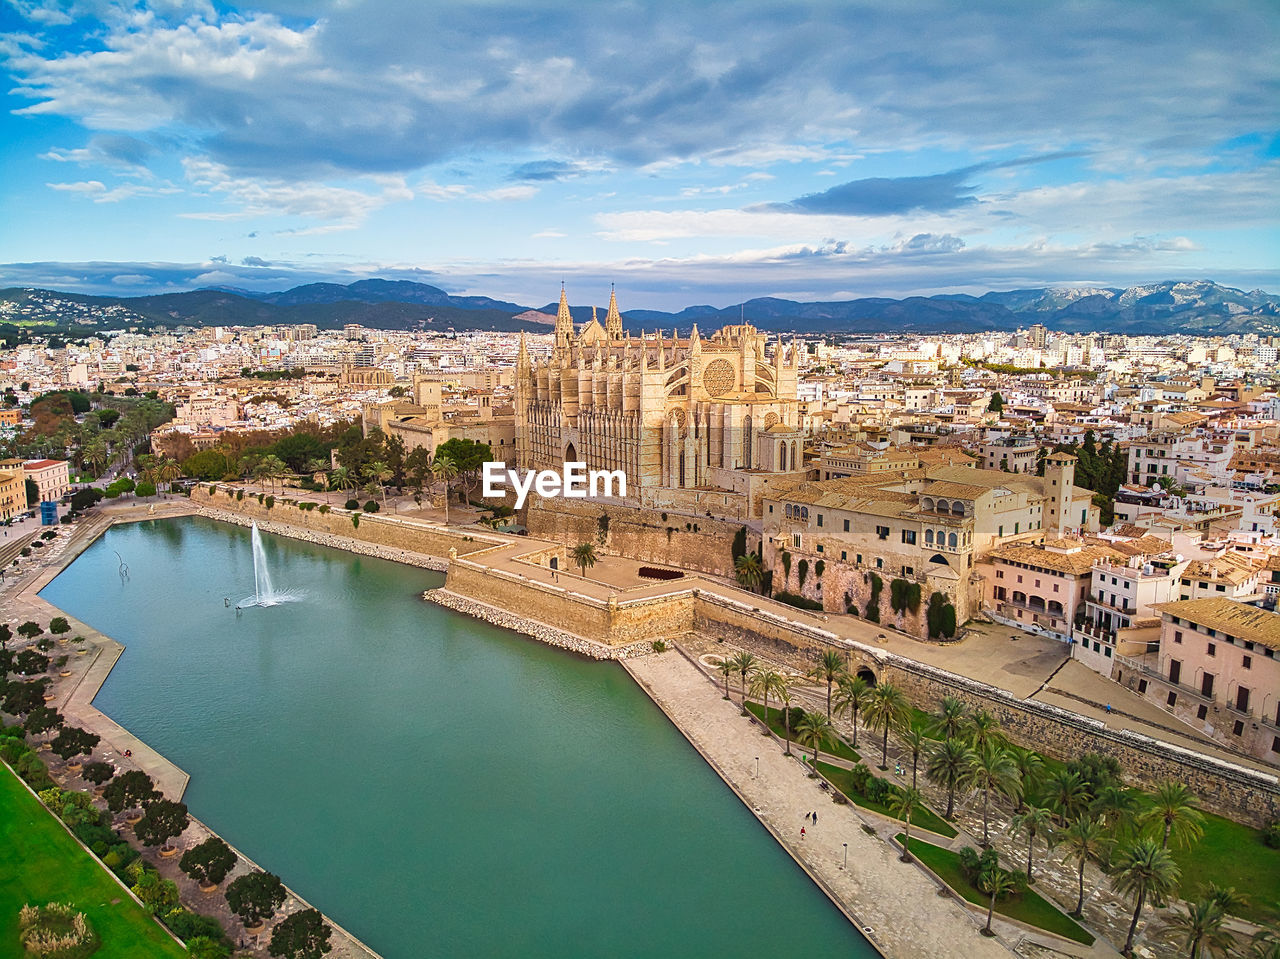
pixel 373 528
pixel 679 540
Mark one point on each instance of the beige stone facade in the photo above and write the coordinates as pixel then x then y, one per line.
pixel 667 411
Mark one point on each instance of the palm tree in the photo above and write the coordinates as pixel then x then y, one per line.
pixel 749 571
pixel 743 663
pixel 584 557
pixel 379 472
pixel 1086 841
pixel 951 718
pixel 270 469
pixel 995 882
pixel 1173 810
pixel 444 470
pixel 784 693
pixel 888 709
pixel 983 728
pixel 1202 928
pixel 167 471
pixel 905 803
pixel 763 682
pixel 814 730
pixel 1066 794
pixel 726 670
pixel 947 766
pixel 915 740
pixel 852 693
pixel 1118 809
pixel 1265 944
pixel 1030 766
pixel 991 769
pixel 341 479
pixel 1037 820
pixel 97 456
pixel 1226 897
pixel 1139 870
pixel 829 668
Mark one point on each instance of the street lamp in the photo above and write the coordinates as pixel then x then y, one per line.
pixel 757 767
pixel 846 856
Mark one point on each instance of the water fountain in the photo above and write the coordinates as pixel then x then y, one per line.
pixel 264 594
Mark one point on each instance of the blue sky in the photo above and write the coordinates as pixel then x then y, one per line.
pixel 689 153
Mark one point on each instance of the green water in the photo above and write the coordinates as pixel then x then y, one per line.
pixel 438 786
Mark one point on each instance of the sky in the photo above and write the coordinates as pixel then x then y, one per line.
pixel 689 153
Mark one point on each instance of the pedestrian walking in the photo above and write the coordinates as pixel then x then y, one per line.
pixel 802 832
pixel 815 818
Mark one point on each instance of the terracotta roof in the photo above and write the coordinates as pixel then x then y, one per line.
pixel 950 490
pixel 1078 563
pixel 1238 620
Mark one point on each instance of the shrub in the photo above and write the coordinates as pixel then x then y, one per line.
pixel 659 646
pixel 872 613
pixel 739 546
pixel 50 534
pixel 269 502
pixel 262 497
pixel 913 597
pixel 802 572
pixel 800 602
pixel 877 584
pixel 786 565
pixel 187 925
pixel 56 931
pixel 1271 835
pixel 352 504
pixel 355 520
pixel 59 625
pixel 324 508
pixel 371 506
pixel 239 495
pixel 898 595
pixel 819 568
pixel 145 489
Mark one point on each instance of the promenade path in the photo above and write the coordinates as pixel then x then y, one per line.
pixel 896 901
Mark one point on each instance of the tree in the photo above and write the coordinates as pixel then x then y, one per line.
pixel 814 730
pixel 97 773
pixel 59 625
pixel 343 479
pixel 991 770
pixel 163 820
pixel 947 765
pixel 255 897
pixel 378 473
pixel 995 882
pixel 983 729
pixel 206 947
pixel 1201 924
pixel 129 791
pixel 42 719
pixel 584 557
pixel 1117 809
pixel 30 629
pixel 726 670
pixel 1174 811
pixel 1140 870
pixel 209 862
pixel 468 456
pixel 303 935
pixel 749 571
pixel 764 682
pixel 1086 841
pixel 997 403
pixel 21 698
pixel 444 469
pixel 888 709
pixel 743 663
pixel 905 803
pixel 29 662
pixel 1030 766
pixel 73 741
pixel 157 894
pixel 1066 794
pixel 784 693
pixel 206 465
pixel 829 668
pixel 914 739
pixel 852 693
pixel 951 719
pixel 1036 820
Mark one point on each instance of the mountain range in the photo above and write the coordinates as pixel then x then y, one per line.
pixel 1196 307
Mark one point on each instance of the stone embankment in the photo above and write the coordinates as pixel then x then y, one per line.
pixel 533 629
pixel 437 563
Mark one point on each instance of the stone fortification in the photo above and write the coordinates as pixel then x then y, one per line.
pixel 646 536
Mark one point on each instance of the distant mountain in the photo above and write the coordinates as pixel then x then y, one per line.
pixel 1199 307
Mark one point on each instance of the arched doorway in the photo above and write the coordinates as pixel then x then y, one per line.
pixel 570 454
pixel 555 562
pixel 866 675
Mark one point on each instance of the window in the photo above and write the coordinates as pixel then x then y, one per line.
pixel 1247 662
pixel 1172 700
pixel 882 532
pixel 846 526
pixel 1055 587
pixel 1213 650
pixel 859 560
pixel 908 571
pixel 1202 711
pixel 819 520
pixel 909 537
pixel 1106 651
pixel 1177 636
pixel 843 556
pixel 1000 532
pixel 770 507
pixel 999 572
pixel 1142 686
pixel 820 549
pixel 1221 587
pixel 1237 729
pixel 1275 744
pixel 879 563
pixel 795 540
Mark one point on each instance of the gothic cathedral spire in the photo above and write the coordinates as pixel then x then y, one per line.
pixel 564 323
pixel 613 319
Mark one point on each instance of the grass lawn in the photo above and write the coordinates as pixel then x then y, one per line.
pixel 843 781
pixel 40 863
pixel 1232 854
pixel 1031 907
pixel 837 747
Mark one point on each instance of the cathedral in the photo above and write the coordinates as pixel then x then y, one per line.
pixel 667 411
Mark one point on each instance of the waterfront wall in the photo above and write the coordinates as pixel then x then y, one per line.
pixel 373 528
pixel 678 540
